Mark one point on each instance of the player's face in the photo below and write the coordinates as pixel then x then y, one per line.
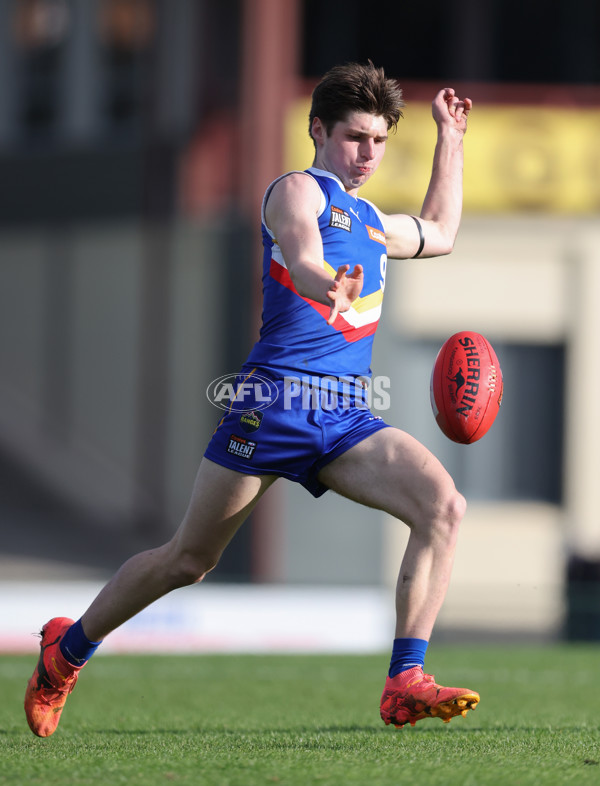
pixel 354 148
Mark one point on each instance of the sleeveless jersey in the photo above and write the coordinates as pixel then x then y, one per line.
pixel 295 338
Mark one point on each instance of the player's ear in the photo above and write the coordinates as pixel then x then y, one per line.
pixel 318 131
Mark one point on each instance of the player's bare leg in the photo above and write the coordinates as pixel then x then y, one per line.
pixel 392 471
pixel 221 501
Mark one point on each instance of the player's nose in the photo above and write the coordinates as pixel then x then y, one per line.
pixel 367 150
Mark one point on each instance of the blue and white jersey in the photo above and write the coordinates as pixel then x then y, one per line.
pixel 295 337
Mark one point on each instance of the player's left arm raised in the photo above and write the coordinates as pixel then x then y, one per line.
pixel 435 232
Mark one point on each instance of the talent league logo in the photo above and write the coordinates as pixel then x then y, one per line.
pixel 340 219
pixel 241 447
pixel 239 393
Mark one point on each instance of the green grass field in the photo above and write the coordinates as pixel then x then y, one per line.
pixel 301 720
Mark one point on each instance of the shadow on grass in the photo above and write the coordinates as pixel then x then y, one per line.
pixel 309 731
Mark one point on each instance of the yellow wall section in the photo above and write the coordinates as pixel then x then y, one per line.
pixel 518 158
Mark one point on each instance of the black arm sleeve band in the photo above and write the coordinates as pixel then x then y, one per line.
pixel 421 236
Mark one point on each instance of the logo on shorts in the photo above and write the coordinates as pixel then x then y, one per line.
pixel 241 447
pixel 340 219
pixel 242 392
pixel 250 421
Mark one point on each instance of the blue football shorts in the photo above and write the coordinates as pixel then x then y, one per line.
pixel 290 427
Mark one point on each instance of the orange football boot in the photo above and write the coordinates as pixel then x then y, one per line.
pixel 411 696
pixel 52 681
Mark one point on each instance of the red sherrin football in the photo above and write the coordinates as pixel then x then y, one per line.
pixel 466 387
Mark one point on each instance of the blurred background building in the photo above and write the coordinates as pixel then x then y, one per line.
pixel 136 140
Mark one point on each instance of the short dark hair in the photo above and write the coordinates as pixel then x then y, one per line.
pixel 355 87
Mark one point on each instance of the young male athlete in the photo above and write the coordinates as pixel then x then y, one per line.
pixel 325 254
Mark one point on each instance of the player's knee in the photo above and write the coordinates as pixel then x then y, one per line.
pixel 457 507
pixel 191 567
pixel 450 511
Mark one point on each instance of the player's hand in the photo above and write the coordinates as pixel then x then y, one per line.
pixel 344 290
pixel 448 109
